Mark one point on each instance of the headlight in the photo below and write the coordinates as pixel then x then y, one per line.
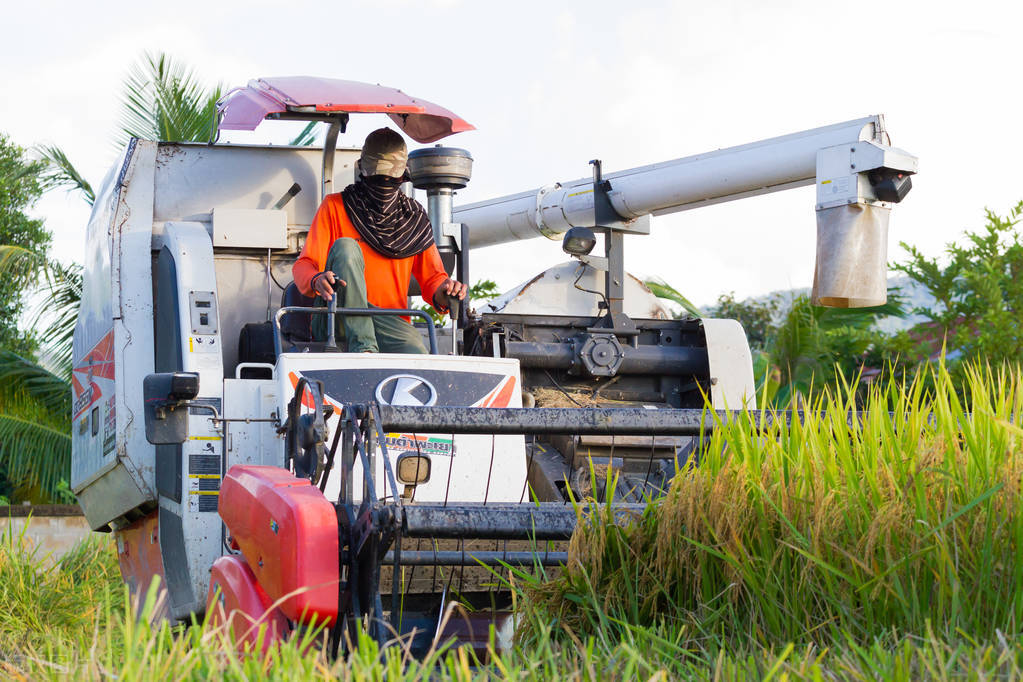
pixel 413 469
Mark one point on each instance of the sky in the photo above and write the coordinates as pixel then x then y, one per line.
pixel 551 85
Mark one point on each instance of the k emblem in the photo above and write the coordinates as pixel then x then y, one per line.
pixel 406 390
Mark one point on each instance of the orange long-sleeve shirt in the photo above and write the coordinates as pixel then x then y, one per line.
pixel 387 279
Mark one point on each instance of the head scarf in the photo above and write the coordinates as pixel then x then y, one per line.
pixel 393 224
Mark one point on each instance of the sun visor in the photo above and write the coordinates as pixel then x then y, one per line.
pixel 852 253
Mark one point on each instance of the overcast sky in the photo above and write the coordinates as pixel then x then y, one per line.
pixel 551 85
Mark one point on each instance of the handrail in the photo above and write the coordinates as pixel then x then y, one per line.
pixel 431 332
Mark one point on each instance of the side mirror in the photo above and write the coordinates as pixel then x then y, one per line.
pixel 166 418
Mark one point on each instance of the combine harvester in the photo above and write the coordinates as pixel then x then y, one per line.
pixel 247 465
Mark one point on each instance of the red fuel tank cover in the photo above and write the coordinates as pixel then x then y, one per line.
pixel 288 533
pixel 237 598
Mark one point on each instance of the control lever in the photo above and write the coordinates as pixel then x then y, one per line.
pixel 288 196
pixel 454 307
pixel 331 345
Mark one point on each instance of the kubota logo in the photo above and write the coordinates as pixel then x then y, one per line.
pixel 406 389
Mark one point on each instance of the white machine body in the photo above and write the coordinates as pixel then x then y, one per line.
pixel 184 246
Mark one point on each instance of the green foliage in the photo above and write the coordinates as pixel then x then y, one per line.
pixel 163 100
pixel 662 289
pixel 57 309
pixel 35 429
pixel 825 548
pixel 757 317
pixel 814 346
pixel 827 530
pixel 479 293
pixel 49 606
pixel 798 347
pixel 20 187
pixel 306 137
pixel 59 172
pixel 979 291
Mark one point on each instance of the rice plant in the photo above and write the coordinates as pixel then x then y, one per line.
pixel 841 524
pixel 882 544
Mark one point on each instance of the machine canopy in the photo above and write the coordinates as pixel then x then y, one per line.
pixel 311 98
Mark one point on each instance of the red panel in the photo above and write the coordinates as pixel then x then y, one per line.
pixel 241 601
pixel 138 554
pixel 287 531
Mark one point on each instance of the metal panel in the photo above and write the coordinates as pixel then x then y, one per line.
pixel 252 442
pixel 117 296
pixel 457 473
pixel 201 459
pixel 250 228
pixel 109 496
pixel 544 521
pixel 196 178
pixel 732 384
pixel 176 566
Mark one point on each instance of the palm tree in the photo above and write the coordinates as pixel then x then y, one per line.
pixel 35 398
pixel 35 429
pixel 58 308
pixel 161 100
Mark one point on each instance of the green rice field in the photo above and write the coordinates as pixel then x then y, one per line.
pixel 880 539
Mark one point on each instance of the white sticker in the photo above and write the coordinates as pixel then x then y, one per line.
pixel 203 344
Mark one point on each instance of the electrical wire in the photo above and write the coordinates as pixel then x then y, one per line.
pixel 582 270
pixel 270 270
pixel 558 386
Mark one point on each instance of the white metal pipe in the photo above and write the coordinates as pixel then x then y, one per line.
pixel 736 172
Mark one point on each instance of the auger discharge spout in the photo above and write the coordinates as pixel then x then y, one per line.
pixel 858 176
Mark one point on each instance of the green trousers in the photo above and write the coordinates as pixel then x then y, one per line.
pixel 379 333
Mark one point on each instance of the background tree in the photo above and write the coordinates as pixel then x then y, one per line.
pixel 20 187
pixel 757 316
pixel 978 291
pixel 35 431
pixel 161 100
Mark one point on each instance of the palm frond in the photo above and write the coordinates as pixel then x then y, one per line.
pixel 22 377
pixel 35 444
pixel 35 426
pixel 662 289
pixel 306 137
pixel 163 100
pixel 60 172
pixel 19 263
pixel 58 308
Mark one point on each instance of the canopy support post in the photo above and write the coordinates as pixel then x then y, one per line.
pixel 338 124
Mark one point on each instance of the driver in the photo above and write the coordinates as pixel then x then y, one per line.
pixel 364 244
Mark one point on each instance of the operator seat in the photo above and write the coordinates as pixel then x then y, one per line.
pixel 296 328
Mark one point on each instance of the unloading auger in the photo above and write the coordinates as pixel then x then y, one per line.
pixel 279 481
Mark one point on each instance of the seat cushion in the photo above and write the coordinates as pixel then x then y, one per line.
pixel 296 327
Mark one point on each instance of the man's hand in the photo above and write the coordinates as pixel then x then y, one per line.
pixel 449 289
pixel 322 284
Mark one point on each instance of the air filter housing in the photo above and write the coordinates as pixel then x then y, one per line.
pixel 440 168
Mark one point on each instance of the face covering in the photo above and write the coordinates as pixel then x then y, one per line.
pixel 390 222
pixel 383 181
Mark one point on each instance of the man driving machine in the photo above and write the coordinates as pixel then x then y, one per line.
pixel 364 244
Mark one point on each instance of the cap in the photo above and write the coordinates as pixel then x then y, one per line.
pixel 384 153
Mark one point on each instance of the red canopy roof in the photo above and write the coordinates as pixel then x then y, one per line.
pixel 244 108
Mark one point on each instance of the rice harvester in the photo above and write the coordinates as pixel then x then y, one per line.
pixel 283 482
